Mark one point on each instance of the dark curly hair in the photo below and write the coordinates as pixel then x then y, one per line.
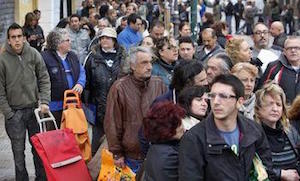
pixel 162 120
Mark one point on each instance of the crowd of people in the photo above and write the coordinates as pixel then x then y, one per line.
pixel 171 108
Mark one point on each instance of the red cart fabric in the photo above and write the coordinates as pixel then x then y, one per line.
pixel 61 156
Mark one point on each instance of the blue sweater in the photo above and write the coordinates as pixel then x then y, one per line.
pixel 128 38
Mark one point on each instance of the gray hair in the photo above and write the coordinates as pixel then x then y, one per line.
pixel 131 58
pixel 55 37
pixel 226 63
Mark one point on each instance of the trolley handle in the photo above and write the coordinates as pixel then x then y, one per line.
pixel 42 121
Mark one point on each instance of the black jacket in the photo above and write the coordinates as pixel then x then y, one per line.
pixel 204 155
pixel 238 10
pixel 229 9
pixel 284 74
pixel 279 40
pixel 162 162
pixel 100 75
pixel 58 78
pixel 294 139
pixel 38 31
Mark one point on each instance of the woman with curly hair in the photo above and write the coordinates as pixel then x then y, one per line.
pixel 271 113
pixel 238 50
pixel 164 129
pixel 247 73
pixel 64 70
pixel 167 52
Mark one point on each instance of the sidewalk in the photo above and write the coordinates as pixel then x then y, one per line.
pixel 7 171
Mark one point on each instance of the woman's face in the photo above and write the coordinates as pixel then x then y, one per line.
pixel 248 80
pixel 245 52
pixel 148 42
pixel 271 110
pixel 169 52
pixel 199 105
pixel 107 42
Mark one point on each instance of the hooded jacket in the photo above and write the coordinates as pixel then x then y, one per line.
pixel 22 77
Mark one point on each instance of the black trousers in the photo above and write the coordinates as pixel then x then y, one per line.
pixel 16 127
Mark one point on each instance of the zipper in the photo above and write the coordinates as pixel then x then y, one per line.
pixel 296 77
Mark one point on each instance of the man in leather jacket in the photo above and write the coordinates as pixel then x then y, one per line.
pixel 127 103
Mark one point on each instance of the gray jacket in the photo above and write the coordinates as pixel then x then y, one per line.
pixel 80 41
pixel 24 80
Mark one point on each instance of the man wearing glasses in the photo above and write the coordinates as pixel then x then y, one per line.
pixel 222 147
pixel 285 71
pixel 261 36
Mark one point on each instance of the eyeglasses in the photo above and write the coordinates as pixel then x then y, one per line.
pixel 220 95
pixel 172 47
pixel 292 48
pixel 259 33
pixel 67 40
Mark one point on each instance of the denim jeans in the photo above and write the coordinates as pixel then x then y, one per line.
pixel 228 22
pixel 16 130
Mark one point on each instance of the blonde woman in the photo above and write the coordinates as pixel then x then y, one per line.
pixel 271 113
pixel 238 50
pixel 247 73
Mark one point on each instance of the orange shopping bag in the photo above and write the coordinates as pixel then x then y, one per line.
pixel 109 172
pixel 73 117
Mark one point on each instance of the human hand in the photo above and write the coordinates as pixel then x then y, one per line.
pixel 289 175
pixel 44 108
pixel 33 37
pixel 119 162
pixel 78 88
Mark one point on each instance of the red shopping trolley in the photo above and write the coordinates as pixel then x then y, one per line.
pixel 59 152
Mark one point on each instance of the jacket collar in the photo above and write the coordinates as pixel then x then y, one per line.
pixel 168 67
pixel 285 62
pixel 140 83
pixel 9 49
pixel 248 134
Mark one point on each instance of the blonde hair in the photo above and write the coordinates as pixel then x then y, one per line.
pixel 271 89
pixel 244 66
pixel 232 49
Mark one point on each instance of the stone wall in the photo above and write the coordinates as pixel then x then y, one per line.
pixel 7 16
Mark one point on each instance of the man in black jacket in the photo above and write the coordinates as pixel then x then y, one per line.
pixel 222 147
pixel 238 14
pixel 285 71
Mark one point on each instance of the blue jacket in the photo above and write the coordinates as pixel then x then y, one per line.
pixel 128 38
pixel 164 71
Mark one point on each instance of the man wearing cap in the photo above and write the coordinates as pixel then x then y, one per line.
pixel 102 69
